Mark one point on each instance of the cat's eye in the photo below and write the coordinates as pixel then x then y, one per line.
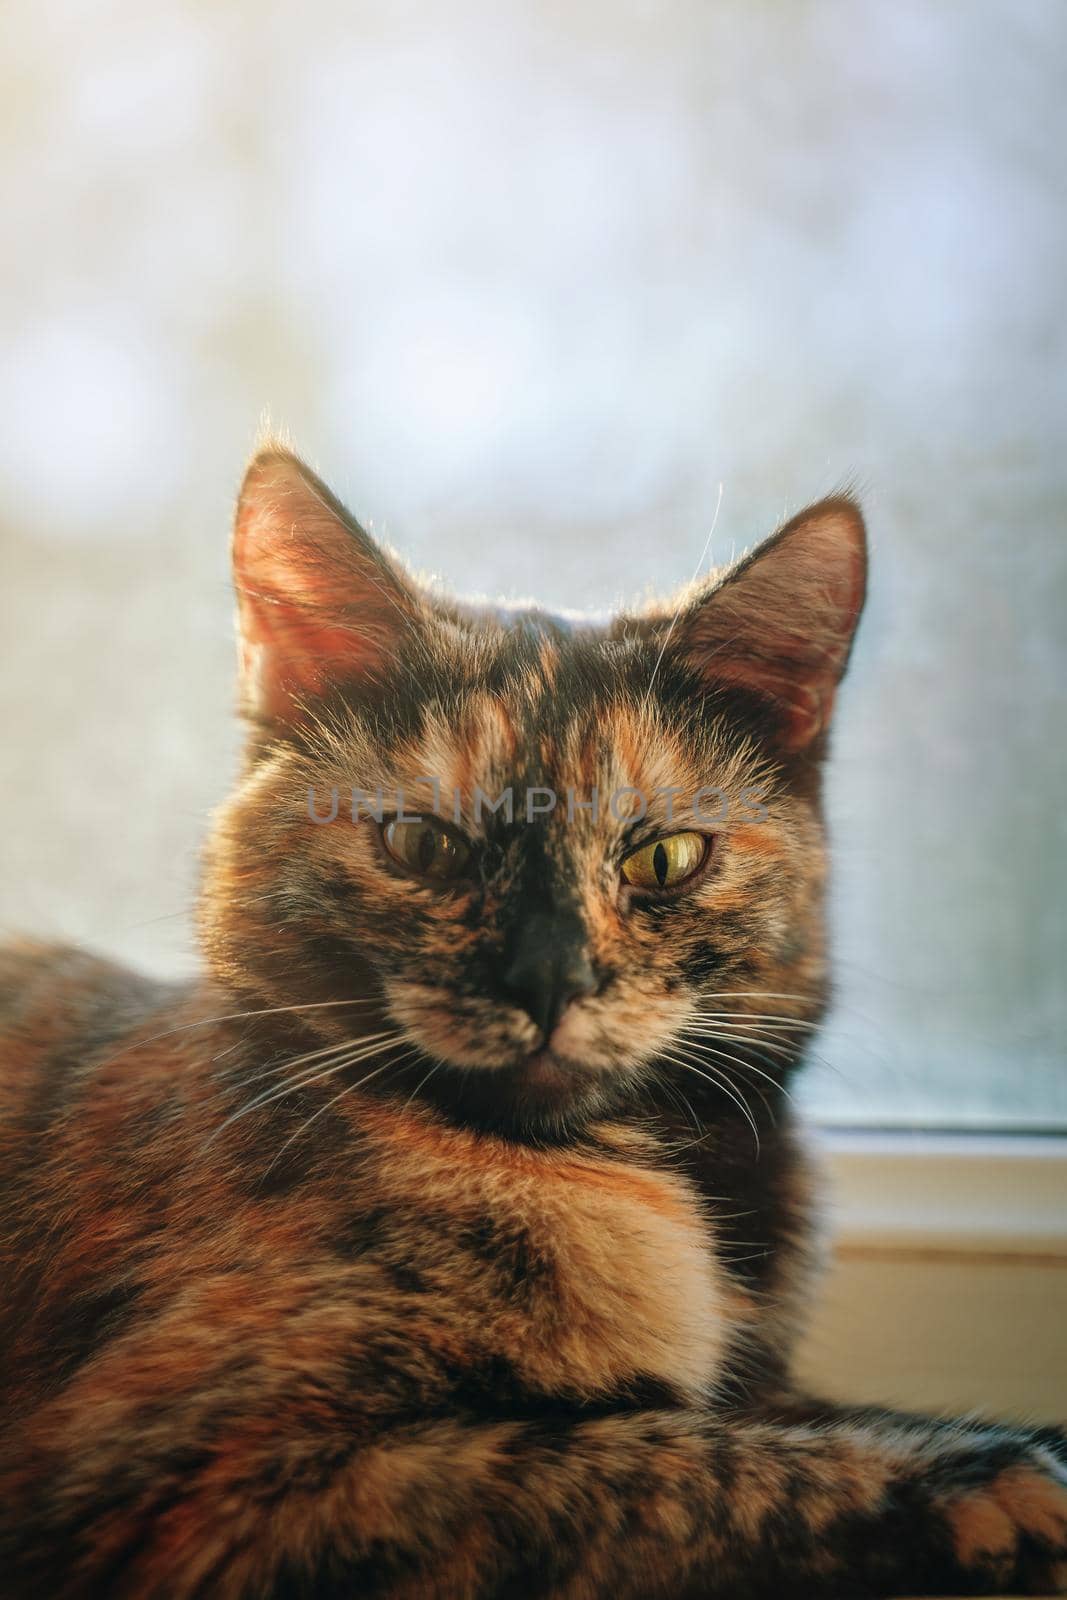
pixel 666 863
pixel 426 848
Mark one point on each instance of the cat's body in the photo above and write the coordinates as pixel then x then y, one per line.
pixel 424 1249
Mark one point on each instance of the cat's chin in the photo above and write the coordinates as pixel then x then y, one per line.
pixel 548 1086
pixel 545 1072
pixel 542 1095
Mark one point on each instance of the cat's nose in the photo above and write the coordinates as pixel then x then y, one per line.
pixel 549 967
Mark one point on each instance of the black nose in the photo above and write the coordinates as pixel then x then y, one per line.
pixel 548 967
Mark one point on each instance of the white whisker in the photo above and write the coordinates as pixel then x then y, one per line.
pixel 322 1053
pixel 662 1080
pixel 756 994
pixel 747 1066
pixel 289 1087
pixel 420 1083
pixel 232 1016
pixel 708 1040
pixel 774 1045
pixel 349 1088
pixel 770 1018
pixel 724 1084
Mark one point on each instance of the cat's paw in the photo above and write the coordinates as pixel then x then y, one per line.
pixel 1004 1508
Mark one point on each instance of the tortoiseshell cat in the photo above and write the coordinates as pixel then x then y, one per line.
pixel 450 1237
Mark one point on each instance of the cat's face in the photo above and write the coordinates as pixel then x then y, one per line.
pixel 618 855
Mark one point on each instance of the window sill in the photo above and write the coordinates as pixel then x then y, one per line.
pixel 947 1289
pixel 963 1193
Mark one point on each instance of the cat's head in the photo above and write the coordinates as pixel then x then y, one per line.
pixel 617 879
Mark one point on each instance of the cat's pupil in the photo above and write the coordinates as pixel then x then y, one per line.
pixel 660 864
pixel 427 848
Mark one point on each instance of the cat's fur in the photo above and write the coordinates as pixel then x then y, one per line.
pixel 320 1280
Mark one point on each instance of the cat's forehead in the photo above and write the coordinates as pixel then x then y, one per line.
pixel 544 662
pixel 544 684
pixel 533 736
pixel 555 717
pixel 554 712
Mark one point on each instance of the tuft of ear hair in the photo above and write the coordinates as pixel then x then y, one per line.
pixel 780 623
pixel 319 604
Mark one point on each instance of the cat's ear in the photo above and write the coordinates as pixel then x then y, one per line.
pixel 780 623
pixel 319 603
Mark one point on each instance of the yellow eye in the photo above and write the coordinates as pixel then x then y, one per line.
pixel 666 862
pixel 425 848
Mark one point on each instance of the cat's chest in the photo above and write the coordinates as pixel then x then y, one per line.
pixel 629 1290
pixel 584 1275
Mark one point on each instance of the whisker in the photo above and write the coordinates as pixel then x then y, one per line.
pixel 230 1048
pixel 786 1058
pixel 420 1083
pixel 702 1135
pixel 811 1055
pixel 759 1045
pixel 756 994
pixel 349 1088
pixel 785 1049
pixel 774 1045
pixel 320 1072
pixel 323 1052
pixel 661 1079
pixel 707 1051
pixel 233 1016
pixel 733 1089
pixel 768 1018
pixel 724 1055
pixel 724 1085
pixel 746 1066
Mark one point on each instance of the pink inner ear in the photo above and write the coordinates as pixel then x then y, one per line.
pixel 781 626
pixel 319 603
pixel 292 652
pixel 805 704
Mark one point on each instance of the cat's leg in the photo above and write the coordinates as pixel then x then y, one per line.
pixel 942 1439
pixel 633 1504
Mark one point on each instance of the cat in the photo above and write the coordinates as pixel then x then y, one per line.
pixel 450 1237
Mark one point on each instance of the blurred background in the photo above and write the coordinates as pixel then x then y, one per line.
pixel 528 283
